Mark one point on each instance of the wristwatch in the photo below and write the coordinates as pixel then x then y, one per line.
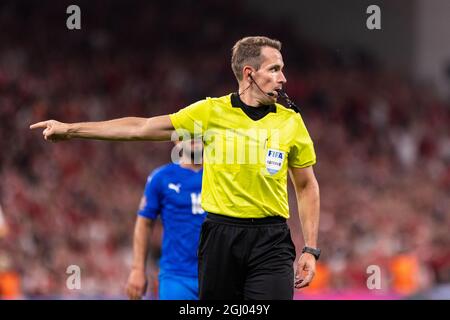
pixel 314 251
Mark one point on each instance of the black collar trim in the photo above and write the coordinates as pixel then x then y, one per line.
pixel 236 102
pixel 254 113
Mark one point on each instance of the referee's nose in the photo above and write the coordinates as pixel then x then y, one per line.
pixel 282 79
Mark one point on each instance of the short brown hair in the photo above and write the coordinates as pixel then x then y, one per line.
pixel 247 51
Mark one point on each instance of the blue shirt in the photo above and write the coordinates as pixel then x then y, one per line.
pixel 174 193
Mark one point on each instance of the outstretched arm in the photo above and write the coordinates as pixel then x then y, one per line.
pixel 158 128
pixel 308 201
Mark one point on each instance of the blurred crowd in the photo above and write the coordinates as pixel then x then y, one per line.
pixel 382 141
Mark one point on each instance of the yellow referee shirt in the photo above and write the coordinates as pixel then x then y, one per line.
pixel 245 160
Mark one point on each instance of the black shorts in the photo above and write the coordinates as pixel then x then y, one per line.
pixel 249 259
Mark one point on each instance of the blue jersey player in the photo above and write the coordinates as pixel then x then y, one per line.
pixel 173 192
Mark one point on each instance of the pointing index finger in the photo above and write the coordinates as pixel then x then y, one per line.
pixel 41 124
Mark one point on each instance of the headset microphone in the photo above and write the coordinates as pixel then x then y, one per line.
pixel 281 94
pixel 270 94
pixel 290 103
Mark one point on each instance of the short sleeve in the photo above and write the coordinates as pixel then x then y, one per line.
pixel 302 152
pixel 150 204
pixel 193 119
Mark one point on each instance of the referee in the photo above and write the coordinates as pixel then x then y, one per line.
pixel 251 142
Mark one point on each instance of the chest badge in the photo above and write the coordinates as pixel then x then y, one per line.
pixel 274 160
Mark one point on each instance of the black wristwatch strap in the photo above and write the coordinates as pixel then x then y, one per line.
pixel 314 251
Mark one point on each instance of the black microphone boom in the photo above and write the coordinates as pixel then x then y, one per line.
pixel 270 94
pixel 281 94
pixel 290 103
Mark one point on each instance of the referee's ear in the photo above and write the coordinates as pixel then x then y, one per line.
pixel 247 71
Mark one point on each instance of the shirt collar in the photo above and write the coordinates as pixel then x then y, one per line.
pixel 236 102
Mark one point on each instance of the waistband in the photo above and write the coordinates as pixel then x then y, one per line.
pixel 245 221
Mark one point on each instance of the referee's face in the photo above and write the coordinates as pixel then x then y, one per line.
pixel 270 74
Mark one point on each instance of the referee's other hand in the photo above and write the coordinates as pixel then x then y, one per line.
pixel 306 268
pixel 53 130
pixel 136 285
